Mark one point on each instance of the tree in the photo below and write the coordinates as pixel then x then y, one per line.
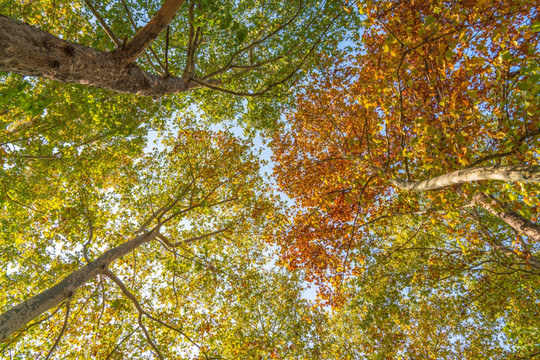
pixel 150 247
pixel 422 295
pixel 246 45
pixel 247 54
pixel 193 211
pixel 387 156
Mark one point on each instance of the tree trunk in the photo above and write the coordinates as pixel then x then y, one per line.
pixel 499 172
pixel 513 219
pixel 29 51
pixel 19 315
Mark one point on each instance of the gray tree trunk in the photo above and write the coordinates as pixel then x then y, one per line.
pixel 21 314
pixel 513 219
pixel 498 172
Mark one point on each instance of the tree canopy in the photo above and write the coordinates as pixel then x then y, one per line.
pixel 388 156
pixel 252 49
pixel 137 223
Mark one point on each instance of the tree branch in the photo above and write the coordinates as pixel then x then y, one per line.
pixel 103 24
pixel 66 318
pixel 207 84
pixel 146 35
pixel 501 248
pixel 142 312
pixel 19 315
pixel 121 342
pixel 189 68
pixel 254 44
pixel 515 149
pixel 196 238
pixel 22 331
pixel 108 273
pixel 134 25
pixel 511 218
pixel 29 51
pixel 525 173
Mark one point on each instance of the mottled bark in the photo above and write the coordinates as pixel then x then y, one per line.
pixel 28 51
pixel 513 219
pixel 499 172
pixel 19 315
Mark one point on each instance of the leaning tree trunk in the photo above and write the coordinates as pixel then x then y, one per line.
pixel 29 51
pixel 513 219
pixel 19 315
pixel 523 173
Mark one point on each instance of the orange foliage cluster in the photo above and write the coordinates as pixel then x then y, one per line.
pixel 432 89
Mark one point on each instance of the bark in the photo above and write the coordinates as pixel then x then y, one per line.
pixel 19 315
pixel 513 219
pixel 28 51
pixel 498 172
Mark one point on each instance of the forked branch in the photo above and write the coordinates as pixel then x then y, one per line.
pixel 229 65
pixel 108 273
pixel 209 85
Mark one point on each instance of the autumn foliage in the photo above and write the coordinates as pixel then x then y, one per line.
pixel 136 221
pixel 432 88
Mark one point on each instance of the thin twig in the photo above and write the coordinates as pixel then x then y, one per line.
pixel 254 44
pixel 206 84
pixel 90 237
pixel 66 318
pixel 167 51
pixel 156 57
pixel 103 24
pixel 121 342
